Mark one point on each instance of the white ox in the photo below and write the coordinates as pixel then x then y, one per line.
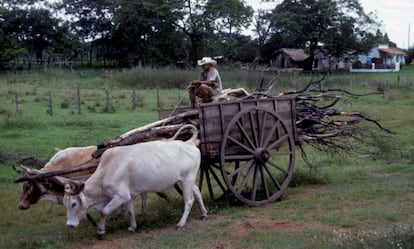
pixel 127 171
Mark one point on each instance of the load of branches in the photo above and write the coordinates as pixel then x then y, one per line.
pixel 319 122
pixel 323 126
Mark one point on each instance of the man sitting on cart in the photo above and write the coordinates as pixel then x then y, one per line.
pixel 208 83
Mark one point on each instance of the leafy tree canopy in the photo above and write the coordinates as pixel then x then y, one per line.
pixel 160 32
pixel 338 25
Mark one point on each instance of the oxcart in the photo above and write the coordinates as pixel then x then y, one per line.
pixel 247 146
pixel 248 143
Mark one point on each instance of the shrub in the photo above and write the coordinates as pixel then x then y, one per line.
pixel 6 112
pixel 64 105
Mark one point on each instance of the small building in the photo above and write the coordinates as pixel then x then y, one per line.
pixel 322 60
pixel 388 55
pixel 380 58
pixel 289 58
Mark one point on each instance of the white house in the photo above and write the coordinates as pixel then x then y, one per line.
pixel 381 58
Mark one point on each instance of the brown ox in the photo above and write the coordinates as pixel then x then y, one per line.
pixel 49 188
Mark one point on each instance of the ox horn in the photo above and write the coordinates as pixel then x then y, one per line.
pixel 61 181
pixel 25 173
pixel 20 169
pixel 25 170
pixel 74 187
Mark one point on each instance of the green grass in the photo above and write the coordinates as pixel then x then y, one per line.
pixel 344 201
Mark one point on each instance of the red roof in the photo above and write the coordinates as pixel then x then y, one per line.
pixel 392 51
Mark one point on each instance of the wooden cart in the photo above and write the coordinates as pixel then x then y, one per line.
pixel 247 147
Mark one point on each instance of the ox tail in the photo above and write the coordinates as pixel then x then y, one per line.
pixel 195 132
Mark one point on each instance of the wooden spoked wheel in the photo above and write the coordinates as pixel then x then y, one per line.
pixel 257 156
pixel 210 176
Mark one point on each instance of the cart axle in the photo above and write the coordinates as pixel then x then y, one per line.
pixel 261 156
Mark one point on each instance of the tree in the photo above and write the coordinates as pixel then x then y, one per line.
pixel 226 19
pixel 34 29
pixel 338 25
pixel 67 44
pixel 9 46
pixel 193 26
pixel 262 21
pixel 91 19
pixel 144 31
pixel 229 16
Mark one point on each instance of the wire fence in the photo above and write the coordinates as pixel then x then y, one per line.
pixel 80 104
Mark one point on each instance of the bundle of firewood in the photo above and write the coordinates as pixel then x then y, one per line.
pixel 320 124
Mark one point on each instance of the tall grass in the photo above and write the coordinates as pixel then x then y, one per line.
pixel 172 78
pixel 232 78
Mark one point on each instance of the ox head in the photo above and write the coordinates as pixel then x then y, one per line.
pixel 34 189
pixel 30 191
pixel 75 202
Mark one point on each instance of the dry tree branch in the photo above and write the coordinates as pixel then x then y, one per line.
pixel 322 126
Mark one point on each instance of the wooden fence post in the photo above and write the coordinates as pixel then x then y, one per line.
pixel 108 100
pixel 158 99
pixel 398 78
pixel 78 98
pixel 134 99
pixel 50 110
pixel 16 104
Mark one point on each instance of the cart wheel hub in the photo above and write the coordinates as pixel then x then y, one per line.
pixel 261 156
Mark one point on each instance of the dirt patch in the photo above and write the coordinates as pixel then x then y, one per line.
pixel 114 243
pixel 6 158
pixel 240 227
pixel 385 174
pixel 261 225
pixel 247 226
pixel 306 192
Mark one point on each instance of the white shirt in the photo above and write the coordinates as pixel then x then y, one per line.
pixel 213 75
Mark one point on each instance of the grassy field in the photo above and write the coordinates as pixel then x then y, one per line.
pixel 344 201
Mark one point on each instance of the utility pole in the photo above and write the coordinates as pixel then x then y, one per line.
pixel 408 44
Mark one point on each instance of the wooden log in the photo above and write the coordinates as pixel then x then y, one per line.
pixel 54 173
pixel 143 135
pixel 180 118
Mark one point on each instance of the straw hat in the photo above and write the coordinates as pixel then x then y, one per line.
pixel 206 60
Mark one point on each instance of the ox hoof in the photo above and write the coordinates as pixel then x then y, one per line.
pixel 100 234
pixel 180 228
pixel 204 217
pixel 131 230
